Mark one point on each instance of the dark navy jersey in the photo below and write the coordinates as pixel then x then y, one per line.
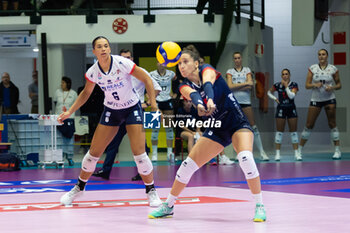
pixel 282 94
pixel 223 97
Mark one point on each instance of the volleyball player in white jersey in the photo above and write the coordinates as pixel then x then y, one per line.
pixel 164 78
pixel 121 104
pixel 322 79
pixel 240 81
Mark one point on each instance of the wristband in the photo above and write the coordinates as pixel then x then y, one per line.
pixel 196 98
pixel 290 94
pixel 208 90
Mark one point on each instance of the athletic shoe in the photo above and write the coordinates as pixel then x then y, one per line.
pixel 264 156
pixel 70 196
pixel 153 198
pixel 154 157
pixel 298 157
pixel 224 160
pixel 260 214
pixel 337 155
pixel 277 157
pixel 212 162
pixel 102 174
pixel 163 211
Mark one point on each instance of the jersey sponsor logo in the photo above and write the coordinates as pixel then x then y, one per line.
pixel 120 105
pixel 151 120
pixel 113 87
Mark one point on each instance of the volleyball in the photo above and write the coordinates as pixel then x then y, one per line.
pixel 168 54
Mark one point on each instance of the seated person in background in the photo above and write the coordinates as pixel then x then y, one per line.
pixel 187 111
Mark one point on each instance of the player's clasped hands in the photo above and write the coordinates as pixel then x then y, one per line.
pixel 202 111
pixel 210 107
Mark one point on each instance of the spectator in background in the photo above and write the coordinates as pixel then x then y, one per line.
pixel 5 5
pixel 64 99
pixel 33 92
pixel 9 95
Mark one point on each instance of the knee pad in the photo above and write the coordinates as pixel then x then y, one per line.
pixel 89 162
pixel 306 133
pixel 186 170
pixel 169 133
pixel 335 134
pixel 255 130
pixel 144 164
pixel 278 137
pixel 154 135
pixel 294 137
pixel 247 163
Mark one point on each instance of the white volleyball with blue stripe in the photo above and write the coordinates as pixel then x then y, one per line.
pixel 168 53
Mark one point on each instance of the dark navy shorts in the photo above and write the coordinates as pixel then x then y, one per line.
pixel 286 112
pixel 130 116
pixel 322 103
pixel 231 122
pixel 166 105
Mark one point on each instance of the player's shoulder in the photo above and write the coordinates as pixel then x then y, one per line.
pixel 294 84
pixel 314 67
pixel 231 71
pixel 333 67
pixel 153 72
pixel 246 69
pixel 170 71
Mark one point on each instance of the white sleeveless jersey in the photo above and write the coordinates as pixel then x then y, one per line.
pixel 243 97
pixel 140 86
pixel 165 83
pixel 116 84
pixel 326 77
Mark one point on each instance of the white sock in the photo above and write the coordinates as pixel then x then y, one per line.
pixel 171 200
pixel 296 152
pixel 149 183
pixel 337 149
pixel 170 150
pixel 300 148
pixel 154 149
pixel 258 198
pixel 257 139
pixel 278 152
